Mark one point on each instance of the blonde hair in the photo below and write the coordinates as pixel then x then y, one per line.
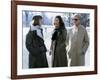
pixel 76 15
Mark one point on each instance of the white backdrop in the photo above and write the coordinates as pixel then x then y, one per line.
pixel 5 40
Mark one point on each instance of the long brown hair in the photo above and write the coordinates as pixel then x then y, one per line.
pixel 36 20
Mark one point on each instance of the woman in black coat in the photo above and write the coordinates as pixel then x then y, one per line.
pixel 35 45
pixel 58 45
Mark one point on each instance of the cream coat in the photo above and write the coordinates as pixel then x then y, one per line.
pixel 78 43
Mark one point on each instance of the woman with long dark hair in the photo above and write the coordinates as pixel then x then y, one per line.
pixel 58 45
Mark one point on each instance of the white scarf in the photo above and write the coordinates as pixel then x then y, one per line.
pixel 37 29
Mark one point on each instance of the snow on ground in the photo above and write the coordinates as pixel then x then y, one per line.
pixel 47 37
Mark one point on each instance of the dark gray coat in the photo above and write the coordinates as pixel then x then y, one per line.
pixel 58 49
pixel 37 50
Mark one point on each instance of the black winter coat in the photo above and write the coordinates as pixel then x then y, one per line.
pixel 37 50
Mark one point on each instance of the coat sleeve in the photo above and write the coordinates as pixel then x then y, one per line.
pixel 62 39
pixel 65 35
pixel 85 42
pixel 31 45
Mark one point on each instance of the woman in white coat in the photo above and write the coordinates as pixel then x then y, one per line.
pixel 78 43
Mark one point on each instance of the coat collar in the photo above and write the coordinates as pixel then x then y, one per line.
pixel 37 29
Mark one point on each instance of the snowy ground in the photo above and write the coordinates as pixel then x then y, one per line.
pixel 47 37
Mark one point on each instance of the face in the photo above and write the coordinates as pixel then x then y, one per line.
pixel 40 22
pixel 76 21
pixel 56 23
